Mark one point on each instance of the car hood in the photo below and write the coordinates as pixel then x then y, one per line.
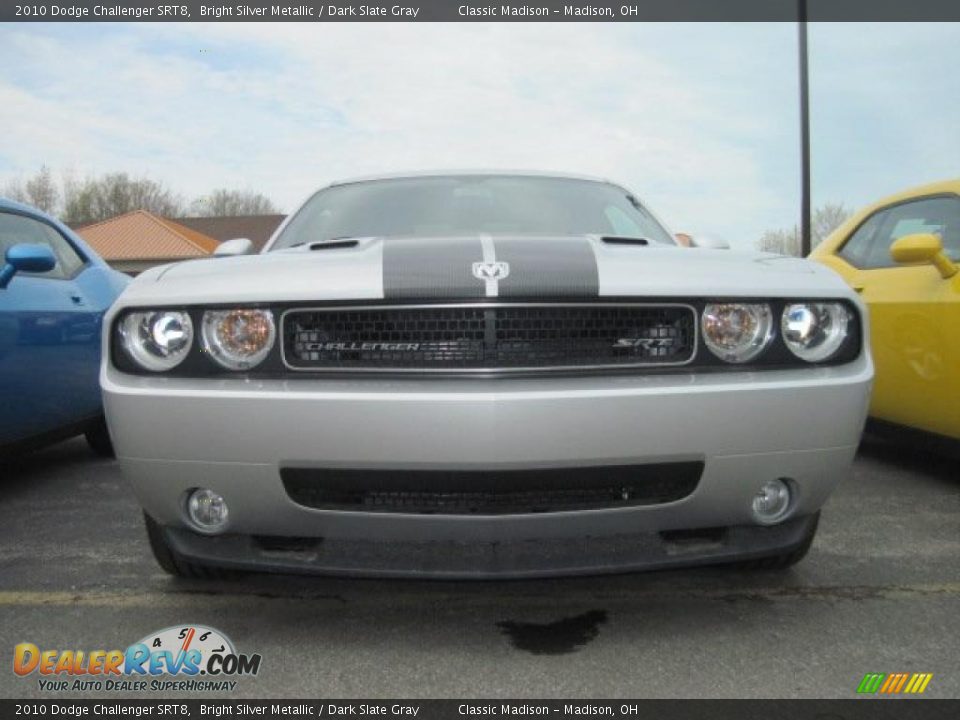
pixel 525 268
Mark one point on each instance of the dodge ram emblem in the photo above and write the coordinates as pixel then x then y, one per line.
pixel 491 270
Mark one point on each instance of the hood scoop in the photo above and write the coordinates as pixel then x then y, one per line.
pixel 623 240
pixel 332 244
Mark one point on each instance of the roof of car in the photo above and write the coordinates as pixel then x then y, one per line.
pixel 460 173
pixel 933 188
pixel 7 204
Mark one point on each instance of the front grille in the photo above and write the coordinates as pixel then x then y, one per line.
pixel 470 492
pixel 488 337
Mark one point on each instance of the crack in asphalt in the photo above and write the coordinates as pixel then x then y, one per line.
pixel 132 598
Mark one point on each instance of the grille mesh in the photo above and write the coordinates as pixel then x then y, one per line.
pixel 493 337
pixel 501 492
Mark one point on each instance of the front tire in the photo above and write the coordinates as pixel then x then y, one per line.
pixel 98 438
pixel 175 565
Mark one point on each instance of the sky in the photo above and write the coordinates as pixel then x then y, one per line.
pixel 701 121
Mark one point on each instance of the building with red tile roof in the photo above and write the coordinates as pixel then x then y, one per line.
pixel 138 240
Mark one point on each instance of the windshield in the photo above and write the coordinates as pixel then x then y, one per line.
pixel 471 205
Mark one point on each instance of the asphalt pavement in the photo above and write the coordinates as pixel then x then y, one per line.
pixel 879 592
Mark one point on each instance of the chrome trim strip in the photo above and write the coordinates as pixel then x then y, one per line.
pixel 488 370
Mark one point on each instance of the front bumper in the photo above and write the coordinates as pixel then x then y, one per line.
pixel 233 436
pixel 481 560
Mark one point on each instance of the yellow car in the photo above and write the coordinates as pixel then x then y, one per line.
pixel 902 256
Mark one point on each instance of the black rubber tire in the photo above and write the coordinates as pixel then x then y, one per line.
pixel 98 438
pixel 787 559
pixel 177 566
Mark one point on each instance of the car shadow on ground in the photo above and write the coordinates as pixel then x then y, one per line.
pixel 23 470
pixel 931 460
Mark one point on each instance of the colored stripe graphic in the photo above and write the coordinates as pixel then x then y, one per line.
pixel 548 267
pixel 419 269
pixel 894 683
pixel 871 682
pixel 900 683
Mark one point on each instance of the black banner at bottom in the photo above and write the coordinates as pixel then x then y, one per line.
pixel 854 709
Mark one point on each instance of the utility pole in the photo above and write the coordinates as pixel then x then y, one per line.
pixel 804 130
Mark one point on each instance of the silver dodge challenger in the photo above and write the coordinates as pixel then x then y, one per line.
pixel 483 375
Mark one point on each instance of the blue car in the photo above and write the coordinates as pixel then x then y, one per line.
pixel 54 291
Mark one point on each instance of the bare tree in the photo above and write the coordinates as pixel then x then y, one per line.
pixel 97 198
pixel 223 202
pixel 114 194
pixel 42 191
pixel 825 220
pixel 39 191
pixel 783 242
pixel 14 190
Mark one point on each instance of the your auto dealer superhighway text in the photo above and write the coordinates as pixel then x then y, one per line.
pixel 318 12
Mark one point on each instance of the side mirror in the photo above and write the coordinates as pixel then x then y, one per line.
pixel 232 248
pixel 923 248
pixel 26 257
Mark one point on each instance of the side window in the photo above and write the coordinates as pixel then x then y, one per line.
pixel 15 229
pixel 859 246
pixel 937 215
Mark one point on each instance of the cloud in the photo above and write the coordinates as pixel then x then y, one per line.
pixel 885 103
pixel 700 120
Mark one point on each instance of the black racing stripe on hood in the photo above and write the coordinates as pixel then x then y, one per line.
pixel 548 267
pixel 431 268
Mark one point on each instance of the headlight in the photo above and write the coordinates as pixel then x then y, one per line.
pixel 238 339
pixel 737 332
pixel 156 340
pixel 815 331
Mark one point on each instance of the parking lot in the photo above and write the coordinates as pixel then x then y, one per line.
pixel 879 592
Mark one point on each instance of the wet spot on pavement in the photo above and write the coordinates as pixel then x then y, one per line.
pixel 557 638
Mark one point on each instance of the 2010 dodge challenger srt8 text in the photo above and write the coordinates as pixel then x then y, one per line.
pixel 481 375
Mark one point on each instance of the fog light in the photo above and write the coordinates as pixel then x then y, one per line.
pixel 772 502
pixel 207 510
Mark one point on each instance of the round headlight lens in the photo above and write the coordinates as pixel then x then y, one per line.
pixel 737 332
pixel 815 331
pixel 238 339
pixel 157 340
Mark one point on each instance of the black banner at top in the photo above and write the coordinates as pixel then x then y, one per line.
pixel 478 10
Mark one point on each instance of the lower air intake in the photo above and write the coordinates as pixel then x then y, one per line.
pixel 508 492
